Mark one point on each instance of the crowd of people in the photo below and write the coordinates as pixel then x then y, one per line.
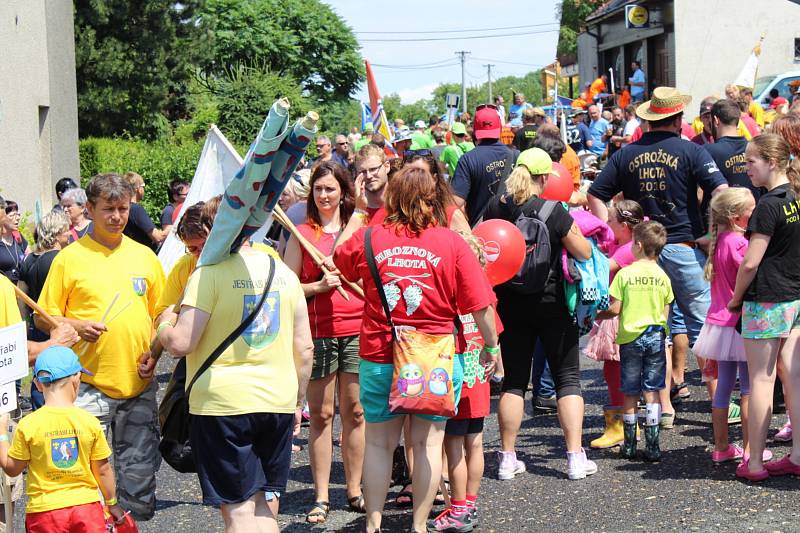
pixel 685 240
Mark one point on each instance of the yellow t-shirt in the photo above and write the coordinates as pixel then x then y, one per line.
pixel 9 311
pixel 183 268
pixel 741 129
pixel 644 289
pixel 82 283
pixel 60 443
pixel 757 112
pixel 176 282
pixel 256 374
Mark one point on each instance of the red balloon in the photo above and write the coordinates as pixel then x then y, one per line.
pixel 504 248
pixel 559 184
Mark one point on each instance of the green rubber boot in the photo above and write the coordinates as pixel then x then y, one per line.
pixel 652 452
pixel 628 448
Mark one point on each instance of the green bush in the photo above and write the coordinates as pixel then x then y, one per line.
pixel 158 162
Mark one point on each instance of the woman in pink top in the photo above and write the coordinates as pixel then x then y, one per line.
pixel 335 323
pixel 602 339
pixel 719 341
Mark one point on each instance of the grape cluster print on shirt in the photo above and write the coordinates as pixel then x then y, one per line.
pixel 412 293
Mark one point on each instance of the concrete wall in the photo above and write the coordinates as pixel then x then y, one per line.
pixel 38 100
pixel 714 39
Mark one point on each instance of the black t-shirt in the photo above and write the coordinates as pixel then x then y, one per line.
pixel 11 258
pixel 777 214
pixel 34 272
pixel 139 226
pixel 525 136
pixel 478 175
pixel 577 135
pixel 551 301
pixel 728 153
pixel 661 171
pixel 167 215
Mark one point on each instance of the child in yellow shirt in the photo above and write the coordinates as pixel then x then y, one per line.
pixel 65 451
pixel 640 295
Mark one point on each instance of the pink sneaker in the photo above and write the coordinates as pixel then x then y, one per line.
pixel 785 433
pixel 782 467
pixel 733 453
pixel 766 455
pixel 744 472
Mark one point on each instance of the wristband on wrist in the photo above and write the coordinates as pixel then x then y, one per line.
pixel 111 501
pixel 4 437
pixel 492 350
pixel 161 327
pixel 360 213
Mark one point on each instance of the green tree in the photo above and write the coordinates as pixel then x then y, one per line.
pixel 245 95
pixel 133 61
pixel 573 15
pixel 303 39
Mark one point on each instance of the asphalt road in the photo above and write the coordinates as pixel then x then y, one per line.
pixel 682 492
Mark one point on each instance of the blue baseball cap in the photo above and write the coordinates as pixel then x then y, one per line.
pixel 59 362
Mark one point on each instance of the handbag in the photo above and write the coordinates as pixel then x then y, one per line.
pixel 173 411
pixel 422 379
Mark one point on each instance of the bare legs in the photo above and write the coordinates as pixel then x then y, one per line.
pixel 570 416
pixel 425 438
pixel 251 515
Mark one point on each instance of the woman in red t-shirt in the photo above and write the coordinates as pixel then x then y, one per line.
pixel 432 274
pixel 335 323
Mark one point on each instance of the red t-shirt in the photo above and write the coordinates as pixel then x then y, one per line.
pixel 377 215
pixel 427 278
pixel 329 314
pixel 637 134
pixel 475 401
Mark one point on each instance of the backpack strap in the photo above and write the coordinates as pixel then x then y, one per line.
pixel 376 278
pixel 547 210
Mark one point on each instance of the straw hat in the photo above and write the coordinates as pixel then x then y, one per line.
pixel 666 102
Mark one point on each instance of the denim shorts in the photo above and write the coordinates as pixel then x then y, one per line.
pixel 643 363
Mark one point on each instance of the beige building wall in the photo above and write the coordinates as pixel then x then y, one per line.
pixel 38 100
pixel 713 39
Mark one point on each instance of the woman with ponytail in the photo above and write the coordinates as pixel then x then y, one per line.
pixel 767 291
pixel 541 316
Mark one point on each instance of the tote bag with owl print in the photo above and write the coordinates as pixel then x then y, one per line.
pixel 422 382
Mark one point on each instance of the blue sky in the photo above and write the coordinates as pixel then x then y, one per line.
pixel 512 55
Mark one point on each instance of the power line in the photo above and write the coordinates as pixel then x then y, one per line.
pixel 470 37
pixel 447 60
pixel 456 31
pixel 508 62
pixel 449 63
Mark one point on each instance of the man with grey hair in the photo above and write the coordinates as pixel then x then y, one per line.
pixel 342 151
pixel 106 286
pixel 326 153
pixel 515 111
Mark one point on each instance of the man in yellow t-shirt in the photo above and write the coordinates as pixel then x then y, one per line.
pixel 106 286
pixel 65 451
pixel 252 394
pixel 640 295
pixel 753 107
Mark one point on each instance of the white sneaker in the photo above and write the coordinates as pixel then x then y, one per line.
pixel 509 465
pixel 579 466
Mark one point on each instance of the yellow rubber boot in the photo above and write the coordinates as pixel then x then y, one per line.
pixel 614 434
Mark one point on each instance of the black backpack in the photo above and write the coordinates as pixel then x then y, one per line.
pixel 535 270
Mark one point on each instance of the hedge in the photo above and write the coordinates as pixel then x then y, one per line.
pixel 158 162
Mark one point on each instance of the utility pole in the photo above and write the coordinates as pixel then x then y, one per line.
pixel 489 72
pixel 463 55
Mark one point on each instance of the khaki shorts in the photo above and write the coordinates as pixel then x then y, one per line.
pixel 335 354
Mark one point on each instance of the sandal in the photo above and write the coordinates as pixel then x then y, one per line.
pixel 356 504
pixel 405 498
pixel 676 394
pixel 320 515
pixel 439 498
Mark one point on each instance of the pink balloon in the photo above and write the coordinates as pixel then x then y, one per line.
pixel 559 184
pixel 504 248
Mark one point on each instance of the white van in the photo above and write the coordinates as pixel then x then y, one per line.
pixel 777 81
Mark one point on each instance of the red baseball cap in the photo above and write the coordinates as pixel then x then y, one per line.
pixel 487 124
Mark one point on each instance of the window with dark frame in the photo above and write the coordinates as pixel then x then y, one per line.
pixel 797 50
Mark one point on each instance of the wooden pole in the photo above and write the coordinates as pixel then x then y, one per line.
pixel 36 307
pixel 315 254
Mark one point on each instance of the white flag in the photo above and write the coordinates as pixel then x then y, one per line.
pixel 218 163
pixel 747 76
